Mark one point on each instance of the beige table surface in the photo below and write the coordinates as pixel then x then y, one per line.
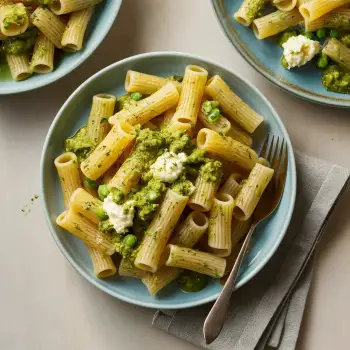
pixel 44 303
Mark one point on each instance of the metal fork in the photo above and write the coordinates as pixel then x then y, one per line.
pixel 275 151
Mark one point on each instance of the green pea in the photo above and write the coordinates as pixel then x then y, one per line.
pixel 334 33
pixel 101 214
pixel 136 96
pixel 206 107
pixel 103 192
pixel 214 115
pixel 321 33
pixel 322 61
pixel 91 183
pixel 130 240
pixel 309 35
pixel 284 63
pixel 152 196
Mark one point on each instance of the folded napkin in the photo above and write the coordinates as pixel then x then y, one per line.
pixel 268 310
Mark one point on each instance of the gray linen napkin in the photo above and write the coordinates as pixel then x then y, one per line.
pixel 268 310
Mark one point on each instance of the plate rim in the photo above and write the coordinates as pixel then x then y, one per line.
pixel 292 89
pixel 71 260
pixel 87 52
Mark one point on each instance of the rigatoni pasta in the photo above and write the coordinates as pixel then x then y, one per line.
pixel 159 231
pixel 31 30
pixel 251 191
pixel 73 35
pixel 220 218
pixel 108 151
pixel 233 105
pixel 152 186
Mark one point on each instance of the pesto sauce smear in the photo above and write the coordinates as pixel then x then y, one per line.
pixel 130 216
pixel 19 44
pixel 191 282
pixel 336 79
pixel 80 144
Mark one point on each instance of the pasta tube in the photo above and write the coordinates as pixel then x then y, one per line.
pixel 192 91
pixel 83 202
pixel 249 10
pixel 150 107
pixel 61 7
pixel 226 148
pixel 276 22
pixel 108 151
pixel 49 24
pixel 68 172
pixel 251 191
pixel 338 52
pixel 317 8
pixel 233 105
pixel 284 5
pixel 43 55
pixel 187 235
pixel 202 198
pixel 221 126
pixel 102 263
pixel 239 229
pixel 146 84
pixel 157 281
pixel 339 19
pixel 102 108
pixel 240 135
pixel 74 33
pixel 19 66
pixel 86 230
pixel 13 19
pixel 195 260
pixel 219 231
pixel 231 186
pixel 159 231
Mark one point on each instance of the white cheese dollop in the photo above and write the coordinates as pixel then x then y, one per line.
pixel 169 166
pixel 121 216
pixel 298 50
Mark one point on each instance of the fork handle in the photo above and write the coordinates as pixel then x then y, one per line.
pixel 216 318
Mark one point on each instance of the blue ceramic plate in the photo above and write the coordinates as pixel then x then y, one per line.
pixel 100 25
pixel 74 114
pixel 265 55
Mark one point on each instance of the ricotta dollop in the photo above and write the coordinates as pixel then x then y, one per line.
pixel 169 166
pixel 121 216
pixel 298 50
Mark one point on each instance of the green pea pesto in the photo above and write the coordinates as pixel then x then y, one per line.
pixel 16 17
pixel 91 183
pixel 146 200
pixel 285 36
pixel 117 195
pixel 211 171
pixel 177 78
pixel 181 142
pixel 130 240
pixel 183 187
pixel 336 79
pixel 129 101
pixel 191 282
pixel 126 251
pixel 20 44
pixel 345 39
pixel 80 144
pixel 208 106
pixel 106 226
pixel 197 157
pixel 255 8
